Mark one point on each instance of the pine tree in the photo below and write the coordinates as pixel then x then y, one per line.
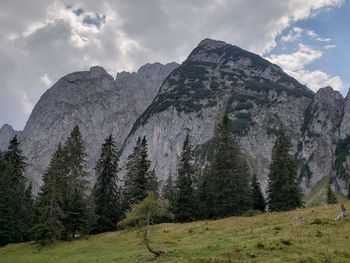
pixel 49 226
pixel 205 194
pixel 258 198
pixel 29 210
pixel 75 199
pixel 152 184
pixel 230 178
pixel 168 191
pixel 185 199
pixel 106 191
pixel 139 180
pixel 283 190
pixel 331 198
pixel 14 227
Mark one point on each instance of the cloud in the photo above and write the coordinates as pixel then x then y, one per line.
pixel 297 60
pixel 294 34
pixel 329 46
pixel 295 63
pixel 44 79
pixel 41 37
pixel 297 33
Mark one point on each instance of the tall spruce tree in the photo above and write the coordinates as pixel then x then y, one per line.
pixel 107 196
pixel 139 180
pixel 29 210
pixel 283 189
pixel 205 194
pixel 259 202
pixel 230 179
pixel 168 191
pixel 49 226
pixel 13 213
pixel 185 205
pixel 75 199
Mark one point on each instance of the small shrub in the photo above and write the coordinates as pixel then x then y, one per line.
pixel 286 242
pixel 243 106
pixel 260 245
pixel 319 233
pixel 277 228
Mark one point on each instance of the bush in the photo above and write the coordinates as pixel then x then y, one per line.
pixel 243 106
pixel 252 212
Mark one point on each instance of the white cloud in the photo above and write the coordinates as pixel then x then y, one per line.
pixel 41 36
pixel 294 34
pixel 329 46
pixel 294 64
pixel 44 79
pixel 298 59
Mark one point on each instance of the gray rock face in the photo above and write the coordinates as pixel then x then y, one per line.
pixel 320 136
pixel 95 102
pixel 6 134
pixel 218 77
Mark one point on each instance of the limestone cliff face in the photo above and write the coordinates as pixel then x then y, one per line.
pixel 97 103
pixel 320 134
pixel 6 134
pixel 217 77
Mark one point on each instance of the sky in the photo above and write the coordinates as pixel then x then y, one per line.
pixel 41 40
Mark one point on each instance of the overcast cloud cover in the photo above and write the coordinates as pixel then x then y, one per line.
pixel 40 40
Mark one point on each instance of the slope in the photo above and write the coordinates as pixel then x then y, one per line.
pixel 305 235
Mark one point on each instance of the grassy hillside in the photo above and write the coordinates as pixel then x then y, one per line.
pixel 305 235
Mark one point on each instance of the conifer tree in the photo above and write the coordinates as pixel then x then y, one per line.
pixel 185 200
pixel 168 191
pixel 29 210
pixel 230 178
pixel 283 189
pixel 13 224
pixel 205 194
pixel 331 198
pixel 258 198
pixel 139 180
pixel 106 191
pixel 152 184
pixel 49 226
pixel 75 199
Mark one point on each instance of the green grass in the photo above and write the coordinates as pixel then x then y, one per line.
pixel 303 235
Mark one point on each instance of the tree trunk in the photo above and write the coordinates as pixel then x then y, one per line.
pixel 145 239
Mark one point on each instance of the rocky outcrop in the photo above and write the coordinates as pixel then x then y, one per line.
pixel 97 103
pixel 320 133
pixel 6 134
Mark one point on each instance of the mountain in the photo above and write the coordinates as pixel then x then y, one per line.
pixel 6 134
pixel 164 102
pixel 217 78
pixel 94 100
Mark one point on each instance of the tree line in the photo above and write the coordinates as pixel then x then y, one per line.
pixel 66 207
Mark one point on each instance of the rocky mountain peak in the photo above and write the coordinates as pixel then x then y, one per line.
pixel 328 92
pixel 211 44
pixel 97 71
pixel 6 134
pixel 6 128
pixel 97 103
